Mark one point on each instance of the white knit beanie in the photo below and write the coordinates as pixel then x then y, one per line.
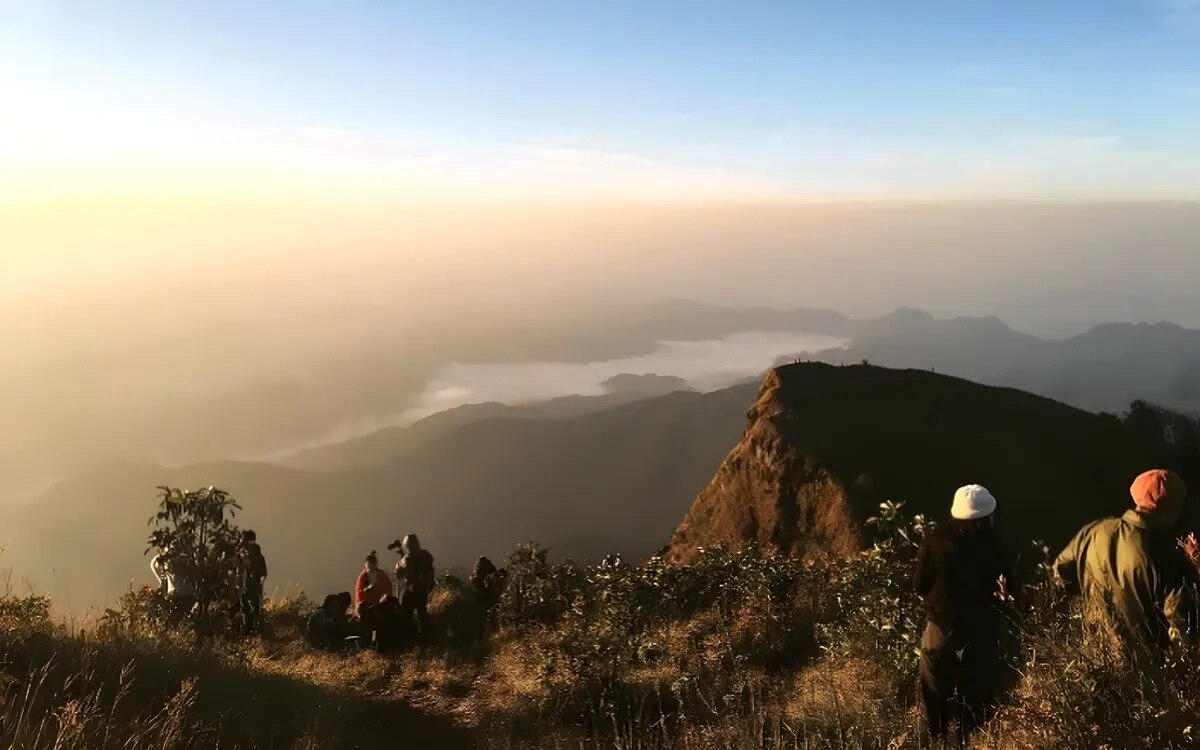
pixel 971 502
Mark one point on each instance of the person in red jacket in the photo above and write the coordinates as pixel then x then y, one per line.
pixel 371 590
pixel 372 586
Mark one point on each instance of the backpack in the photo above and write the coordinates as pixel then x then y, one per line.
pixel 416 570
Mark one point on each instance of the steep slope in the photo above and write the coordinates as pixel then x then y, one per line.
pixel 825 445
pixel 615 480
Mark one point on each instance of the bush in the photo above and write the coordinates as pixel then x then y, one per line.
pixel 22 615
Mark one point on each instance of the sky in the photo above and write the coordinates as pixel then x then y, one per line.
pixel 599 101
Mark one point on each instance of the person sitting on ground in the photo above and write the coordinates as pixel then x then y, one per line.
pixel 961 574
pixel 415 579
pixel 1138 587
pixel 328 626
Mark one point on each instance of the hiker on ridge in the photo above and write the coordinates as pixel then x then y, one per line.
pixel 372 586
pixel 1137 585
pixel 961 574
pixel 372 589
pixel 252 574
pixel 414 579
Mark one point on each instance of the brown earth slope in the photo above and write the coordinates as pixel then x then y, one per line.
pixel 826 445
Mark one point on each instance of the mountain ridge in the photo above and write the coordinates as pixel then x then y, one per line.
pixel 825 445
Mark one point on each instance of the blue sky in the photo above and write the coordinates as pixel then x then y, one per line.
pixel 636 99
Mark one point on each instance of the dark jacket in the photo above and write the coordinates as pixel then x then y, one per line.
pixel 1133 576
pixel 958 571
pixel 415 576
pixel 252 566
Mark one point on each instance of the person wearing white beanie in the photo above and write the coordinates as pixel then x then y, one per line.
pixel 960 572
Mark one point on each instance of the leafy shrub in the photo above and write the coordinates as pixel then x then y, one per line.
pixel 537 592
pixel 200 543
pixel 142 612
pixel 24 614
pixel 872 608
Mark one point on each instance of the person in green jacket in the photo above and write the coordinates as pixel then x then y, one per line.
pixel 1135 581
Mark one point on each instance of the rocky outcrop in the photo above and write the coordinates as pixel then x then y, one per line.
pixel 825 445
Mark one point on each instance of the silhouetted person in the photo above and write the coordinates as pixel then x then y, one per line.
pixel 481 574
pixel 414 579
pixel 1137 585
pixel 959 567
pixel 252 569
pixel 328 626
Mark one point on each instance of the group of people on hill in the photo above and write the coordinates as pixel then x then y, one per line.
pixel 1137 585
pixel 385 615
pixel 176 583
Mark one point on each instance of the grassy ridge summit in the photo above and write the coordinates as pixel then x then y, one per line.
pixel 826 445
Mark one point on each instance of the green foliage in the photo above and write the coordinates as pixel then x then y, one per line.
pixel 141 613
pixel 872 608
pixel 200 542
pixel 24 614
pixel 537 592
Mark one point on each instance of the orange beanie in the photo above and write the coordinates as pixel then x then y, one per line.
pixel 1159 492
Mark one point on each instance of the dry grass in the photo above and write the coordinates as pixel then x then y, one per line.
pixel 731 674
pixel 79 690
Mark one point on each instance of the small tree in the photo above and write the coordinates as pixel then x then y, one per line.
pixel 199 541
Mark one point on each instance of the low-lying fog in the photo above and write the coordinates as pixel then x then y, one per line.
pixel 225 332
pixel 703 365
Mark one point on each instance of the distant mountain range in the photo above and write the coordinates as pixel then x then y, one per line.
pixel 188 400
pixel 1101 370
pixel 586 475
pixel 471 481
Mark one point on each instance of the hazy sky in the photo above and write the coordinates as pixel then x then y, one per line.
pixel 435 156
pixel 600 100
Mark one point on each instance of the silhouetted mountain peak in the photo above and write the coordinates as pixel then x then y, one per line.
pixel 825 445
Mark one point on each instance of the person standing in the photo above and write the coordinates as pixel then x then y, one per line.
pixel 415 579
pixel 371 589
pixel 253 573
pixel 372 585
pixel 961 573
pixel 1137 585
